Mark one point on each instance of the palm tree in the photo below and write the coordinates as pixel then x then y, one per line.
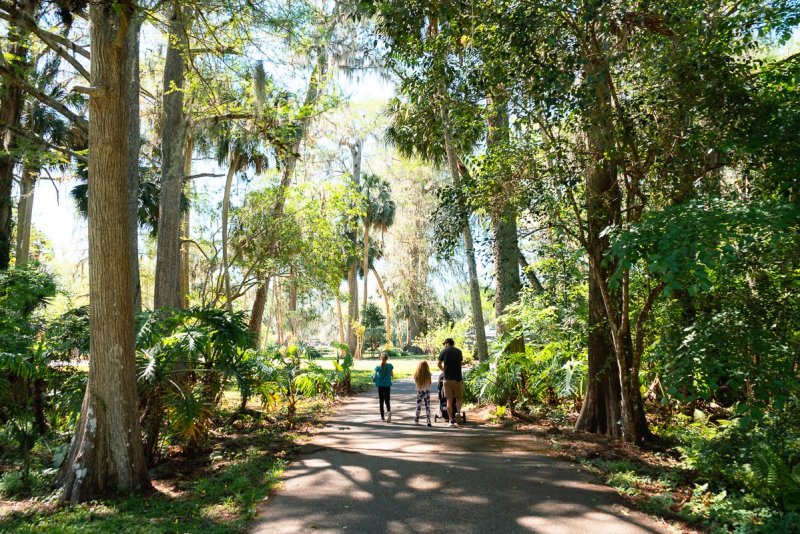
pixel 379 210
pixel 239 145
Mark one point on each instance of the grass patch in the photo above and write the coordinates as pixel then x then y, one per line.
pixel 223 500
pixel 361 373
pixel 217 491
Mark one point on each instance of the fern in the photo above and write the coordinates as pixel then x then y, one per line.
pixel 771 476
pixel 190 418
pixel 16 365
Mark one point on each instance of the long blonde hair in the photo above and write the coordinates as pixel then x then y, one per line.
pixel 384 357
pixel 422 376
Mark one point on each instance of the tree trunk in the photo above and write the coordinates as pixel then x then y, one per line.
pixel 257 314
pixel 39 419
pixel 341 320
pixel 603 209
pixel 173 162
pixel 106 452
pixel 226 206
pixel 186 222
pixel 292 307
pixel 134 144
pixel 10 113
pixel 507 281
pixel 316 85
pixel 414 326
pixel 600 412
pixel 504 229
pixel 352 305
pixel 27 188
pixel 385 305
pixel 355 152
pixel 278 310
pixel 481 348
pixel 533 280
pixel 365 265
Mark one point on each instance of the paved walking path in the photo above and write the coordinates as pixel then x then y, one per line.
pixel 361 475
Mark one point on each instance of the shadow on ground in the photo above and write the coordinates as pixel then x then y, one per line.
pixel 360 475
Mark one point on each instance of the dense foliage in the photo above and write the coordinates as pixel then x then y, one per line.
pixel 645 148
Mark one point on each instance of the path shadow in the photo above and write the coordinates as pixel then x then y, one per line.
pixel 358 475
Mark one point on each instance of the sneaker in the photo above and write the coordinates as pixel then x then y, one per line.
pixel 429 423
pixel 389 417
pixel 452 423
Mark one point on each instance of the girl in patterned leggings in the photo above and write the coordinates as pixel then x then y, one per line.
pixel 422 379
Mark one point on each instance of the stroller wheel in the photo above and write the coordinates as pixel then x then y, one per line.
pixel 436 418
pixel 464 417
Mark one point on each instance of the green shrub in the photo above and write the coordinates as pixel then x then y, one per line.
pixel 531 383
pixel 285 376
pixel 11 484
pixel 433 340
pixel 659 504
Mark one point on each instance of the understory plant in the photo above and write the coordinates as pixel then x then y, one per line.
pixel 287 375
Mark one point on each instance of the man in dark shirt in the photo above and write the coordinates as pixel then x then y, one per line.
pixel 450 362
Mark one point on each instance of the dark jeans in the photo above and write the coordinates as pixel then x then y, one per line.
pixel 383 397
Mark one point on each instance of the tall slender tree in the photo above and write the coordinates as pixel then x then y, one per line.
pixel 11 103
pixel 379 209
pixel 173 161
pixel 503 217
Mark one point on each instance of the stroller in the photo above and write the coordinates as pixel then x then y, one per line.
pixel 443 404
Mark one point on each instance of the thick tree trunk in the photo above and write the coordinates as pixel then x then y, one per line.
pixel 386 307
pixel 355 152
pixel 414 327
pixel 602 409
pixel 10 113
pixel 352 305
pixel 604 209
pixel 600 413
pixel 134 144
pixel 504 230
pixel 27 188
pixel 106 452
pixel 507 281
pixel 173 162
pixel 257 314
